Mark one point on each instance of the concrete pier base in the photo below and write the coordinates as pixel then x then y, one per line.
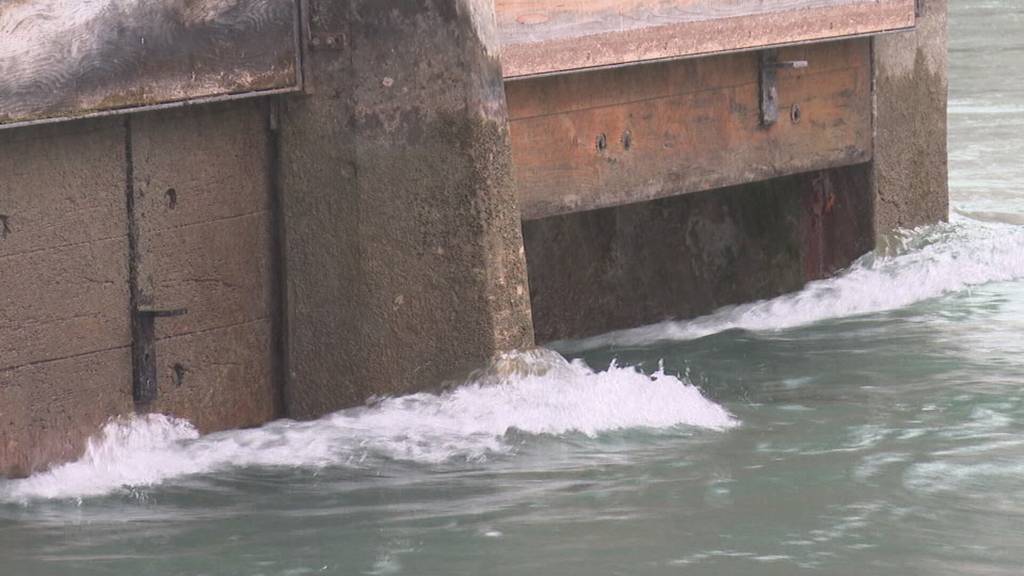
pixel 65 343
pixel 684 256
pixel 403 258
pixel 291 255
pixel 910 175
pixel 167 210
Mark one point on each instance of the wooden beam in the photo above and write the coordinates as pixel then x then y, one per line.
pixel 613 137
pixel 106 56
pixel 551 36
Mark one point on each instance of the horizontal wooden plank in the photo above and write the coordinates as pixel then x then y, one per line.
pixel 551 36
pixel 61 186
pixel 48 410
pixel 59 62
pixel 205 243
pixel 204 234
pixel 64 302
pixel 225 149
pixel 684 126
pixel 219 271
pixel 219 379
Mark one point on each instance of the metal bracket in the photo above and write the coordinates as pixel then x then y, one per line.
pixel 144 383
pixel 769 90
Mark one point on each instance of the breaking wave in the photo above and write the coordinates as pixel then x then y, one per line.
pixel 917 265
pixel 536 392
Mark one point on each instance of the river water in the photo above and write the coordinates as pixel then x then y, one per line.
pixel 870 424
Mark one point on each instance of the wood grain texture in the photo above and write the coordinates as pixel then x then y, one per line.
pixel 61 186
pixel 63 302
pixel 68 59
pixel 205 244
pixel 551 36
pixel 684 126
pixel 65 365
pixel 218 379
pixel 49 409
pixel 63 247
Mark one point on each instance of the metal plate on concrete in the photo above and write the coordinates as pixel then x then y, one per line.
pixel 62 59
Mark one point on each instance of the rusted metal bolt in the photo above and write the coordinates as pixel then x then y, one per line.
pixel 794 114
pixel 602 141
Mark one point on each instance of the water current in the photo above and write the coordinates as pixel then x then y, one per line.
pixel 870 424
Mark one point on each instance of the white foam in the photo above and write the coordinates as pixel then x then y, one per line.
pixel 920 265
pixel 535 393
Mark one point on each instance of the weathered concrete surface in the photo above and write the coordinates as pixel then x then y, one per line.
pixel 911 163
pixel 65 363
pixel 204 242
pixel 545 36
pixel 202 238
pixel 681 257
pixel 403 250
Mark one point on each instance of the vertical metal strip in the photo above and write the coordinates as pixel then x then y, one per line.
pixel 279 322
pixel 143 369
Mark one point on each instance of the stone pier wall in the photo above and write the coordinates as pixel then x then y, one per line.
pixel 684 256
pixel 168 210
pixel 403 250
pixel 303 253
pixel 911 87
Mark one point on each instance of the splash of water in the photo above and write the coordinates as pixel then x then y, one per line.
pixel 918 265
pixel 534 393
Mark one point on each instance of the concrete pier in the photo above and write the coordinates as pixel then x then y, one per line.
pixel 910 174
pixel 404 255
pixel 387 193
pixel 683 256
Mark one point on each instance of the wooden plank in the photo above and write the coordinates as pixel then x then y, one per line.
pixel 108 55
pixel 61 186
pixel 219 379
pixel 65 365
pixel 551 36
pixel 205 241
pixel 219 271
pixel 63 242
pixel 63 302
pixel 684 126
pixel 205 244
pixel 215 174
pixel 48 410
